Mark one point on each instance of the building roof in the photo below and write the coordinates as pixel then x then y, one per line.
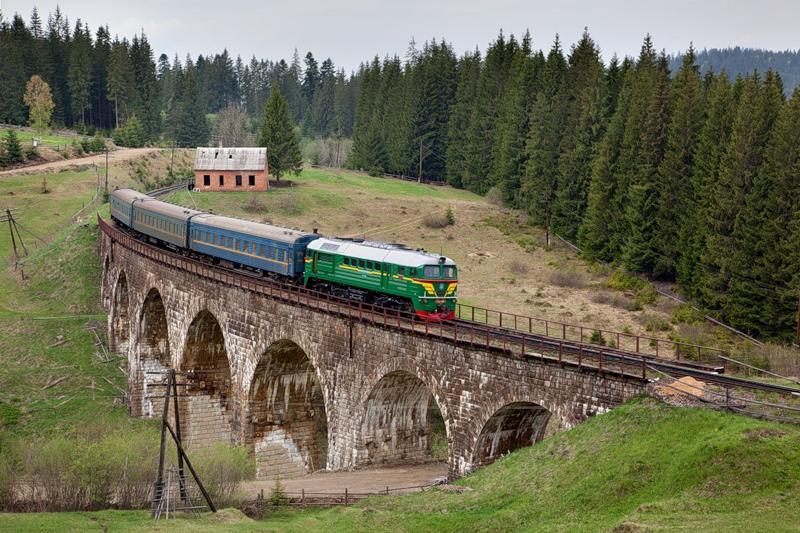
pixel 230 159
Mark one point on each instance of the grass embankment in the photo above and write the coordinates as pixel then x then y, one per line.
pixel 44 318
pixel 642 467
pixel 49 138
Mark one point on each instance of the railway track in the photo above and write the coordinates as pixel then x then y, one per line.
pixel 703 372
pixel 161 191
pixel 512 342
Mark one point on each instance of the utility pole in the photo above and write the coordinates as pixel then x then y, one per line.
pixel 171 159
pixel 106 186
pixel 13 230
pixel 419 174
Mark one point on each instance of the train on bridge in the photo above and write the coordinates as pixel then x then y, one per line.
pixel 385 274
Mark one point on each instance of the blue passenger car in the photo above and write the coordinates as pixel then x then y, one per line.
pixel 163 221
pixel 270 248
pixel 121 202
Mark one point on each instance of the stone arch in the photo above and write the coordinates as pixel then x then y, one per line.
pixel 207 407
pixel 402 421
pixel 153 356
pixel 120 315
pixel 512 426
pixel 287 413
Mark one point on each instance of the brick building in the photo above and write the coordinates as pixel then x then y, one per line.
pixel 231 169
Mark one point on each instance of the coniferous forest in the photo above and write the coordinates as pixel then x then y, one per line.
pixel 671 170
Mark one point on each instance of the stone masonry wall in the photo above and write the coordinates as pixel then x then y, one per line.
pixel 370 415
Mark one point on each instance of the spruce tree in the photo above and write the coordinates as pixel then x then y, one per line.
pixel 192 128
pixel 80 71
pixel 538 187
pixel 639 250
pixel 467 76
pixel 278 136
pixel 763 299
pixel 675 175
pixel 514 122
pixel 482 140
pixel 12 149
pixel 594 234
pixel 585 122
pixel 711 145
pixel 758 107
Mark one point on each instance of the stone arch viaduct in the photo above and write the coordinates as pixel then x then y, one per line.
pixel 311 385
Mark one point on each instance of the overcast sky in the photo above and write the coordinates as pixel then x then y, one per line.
pixel 350 31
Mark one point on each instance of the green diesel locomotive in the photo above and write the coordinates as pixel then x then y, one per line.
pixel 387 275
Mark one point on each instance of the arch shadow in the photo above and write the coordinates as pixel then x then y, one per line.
pixel 153 356
pixel 401 422
pixel 513 426
pixel 207 406
pixel 120 315
pixel 287 415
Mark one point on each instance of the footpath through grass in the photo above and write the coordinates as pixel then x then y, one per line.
pixel 642 467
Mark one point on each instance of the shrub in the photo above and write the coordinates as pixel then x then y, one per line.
pixel 686 314
pixel 518 267
pixel 131 134
pixel 254 205
pixel 494 197
pixel 278 496
pixel 435 220
pixel 782 359
pixel 597 338
pixel 31 153
pixel 656 324
pixel 568 277
pixel 222 468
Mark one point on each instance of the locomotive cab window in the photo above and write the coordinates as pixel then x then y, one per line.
pixel 431 271
pixel 449 272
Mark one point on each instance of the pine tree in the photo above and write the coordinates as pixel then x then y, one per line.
pixel 146 87
pixel 675 175
pixel 278 136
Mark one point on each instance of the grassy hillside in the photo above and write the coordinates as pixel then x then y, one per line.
pixel 642 467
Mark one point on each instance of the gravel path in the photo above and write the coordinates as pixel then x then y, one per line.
pixel 357 481
pixel 122 154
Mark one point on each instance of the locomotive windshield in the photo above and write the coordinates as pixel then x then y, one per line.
pixel 437 271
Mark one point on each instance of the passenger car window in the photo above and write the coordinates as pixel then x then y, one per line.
pixel 362 263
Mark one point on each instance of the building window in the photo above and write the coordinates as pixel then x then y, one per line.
pixel 221 180
pixel 238 181
pixel 251 181
pixel 207 180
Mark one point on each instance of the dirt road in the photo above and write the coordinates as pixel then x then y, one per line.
pixel 116 156
pixel 358 481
